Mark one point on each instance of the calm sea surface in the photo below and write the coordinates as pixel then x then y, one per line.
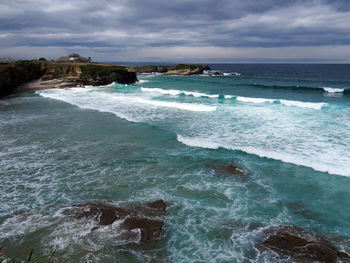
pixel 286 126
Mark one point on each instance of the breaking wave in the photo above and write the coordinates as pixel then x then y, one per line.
pixel 333 90
pixel 301 104
pixel 82 98
pixel 281 156
pixel 292 88
pixel 178 92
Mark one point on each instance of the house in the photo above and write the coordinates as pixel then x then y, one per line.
pixel 5 60
pixel 74 57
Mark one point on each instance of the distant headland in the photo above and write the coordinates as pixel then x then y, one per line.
pixel 74 71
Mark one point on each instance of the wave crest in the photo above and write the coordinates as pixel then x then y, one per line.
pixel 333 90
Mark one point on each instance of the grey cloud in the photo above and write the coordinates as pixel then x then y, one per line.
pixel 130 26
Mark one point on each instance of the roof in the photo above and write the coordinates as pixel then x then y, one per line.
pixel 74 55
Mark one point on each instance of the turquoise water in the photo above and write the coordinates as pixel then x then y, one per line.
pixel 287 127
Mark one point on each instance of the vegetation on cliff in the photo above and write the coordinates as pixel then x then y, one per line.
pixel 102 75
pixel 15 74
pixel 180 69
pixel 189 66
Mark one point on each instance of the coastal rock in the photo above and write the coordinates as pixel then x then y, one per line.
pixel 217 73
pixel 179 70
pixel 15 77
pixel 228 169
pixel 146 218
pixel 302 245
pixel 149 228
pixel 158 205
pixel 146 69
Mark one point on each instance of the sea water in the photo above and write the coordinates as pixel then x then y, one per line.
pixel 286 126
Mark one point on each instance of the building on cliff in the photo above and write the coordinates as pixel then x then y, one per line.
pixel 73 58
pixel 5 60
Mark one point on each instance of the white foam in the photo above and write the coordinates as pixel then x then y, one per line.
pixel 343 170
pixel 143 81
pixel 197 142
pixel 254 100
pixel 99 101
pixel 310 105
pixel 231 73
pixel 333 90
pixel 182 106
pixel 301 104
pixel 179 92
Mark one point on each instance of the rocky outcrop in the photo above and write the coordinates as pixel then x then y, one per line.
pixel 13 75
pixel 179 70
pixel 95 74
pixel 302 245
pixel 60 75
pixel 146 218
pixel 217 73
pixel 153 69
pixel 227 169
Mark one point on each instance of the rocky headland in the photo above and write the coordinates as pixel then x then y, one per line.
pixel 34 74
pixel 178 70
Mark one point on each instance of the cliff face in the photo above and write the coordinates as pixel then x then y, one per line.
pixel 103 75
pixel 13 75
pixel 59 75
pixel 152 68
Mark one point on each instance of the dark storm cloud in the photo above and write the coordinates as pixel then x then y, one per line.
pixel 135 29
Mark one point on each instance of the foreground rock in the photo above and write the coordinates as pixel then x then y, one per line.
pixel 179 70
pixel 146 218
pixel 228 169
pixel 302 245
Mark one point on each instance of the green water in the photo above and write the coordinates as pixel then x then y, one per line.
pixel 112 145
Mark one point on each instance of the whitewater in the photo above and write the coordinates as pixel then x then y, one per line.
pixel 285 127
pixel 287 130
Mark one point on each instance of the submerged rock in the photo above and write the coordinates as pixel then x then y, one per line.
pixel 228 169
pixel 145 218
pixel 302 245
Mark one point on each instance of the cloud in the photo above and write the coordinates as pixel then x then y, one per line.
pixel 140 30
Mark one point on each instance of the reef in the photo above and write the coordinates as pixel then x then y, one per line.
pixel 147 218
pixel 302 245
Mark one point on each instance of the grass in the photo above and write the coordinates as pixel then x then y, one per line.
pixel 187 66
pixel 101 71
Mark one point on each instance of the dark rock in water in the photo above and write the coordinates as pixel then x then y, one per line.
pixel 229 169
pixel 159 205
pixel 105 214
pixel 302 245
pixel 149 228
pixel 140 217
pixel 217 73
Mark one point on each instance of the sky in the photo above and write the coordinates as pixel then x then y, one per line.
pixel 212 31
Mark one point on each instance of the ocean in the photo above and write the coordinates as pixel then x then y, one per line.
pixel 286 126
